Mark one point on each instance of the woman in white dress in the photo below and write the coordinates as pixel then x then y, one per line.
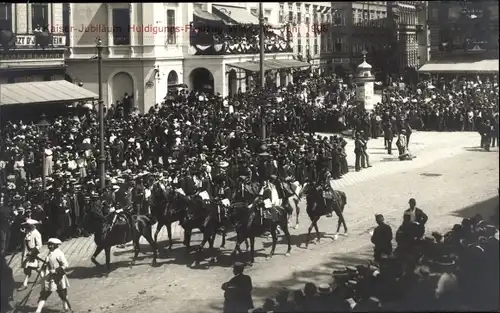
pixel 54 276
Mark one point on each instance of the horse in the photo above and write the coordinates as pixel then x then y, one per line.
pixel 317 207
pixel 120 227
pixel 166 209
pixel 251 221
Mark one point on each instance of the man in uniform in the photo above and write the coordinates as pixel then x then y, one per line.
pixel 54 276
pixel 238 291
pixel 32 246
pixel 325 180
pixel 381 238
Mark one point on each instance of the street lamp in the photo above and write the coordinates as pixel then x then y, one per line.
pixel 261 68
pixel 102 158
pixel 42 126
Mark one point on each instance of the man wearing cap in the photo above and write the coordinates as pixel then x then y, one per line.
pixel 238 291
pixel 54 275
pixel 381 238
pixel 31 249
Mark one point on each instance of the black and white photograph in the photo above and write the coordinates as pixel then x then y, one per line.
pixel 249 157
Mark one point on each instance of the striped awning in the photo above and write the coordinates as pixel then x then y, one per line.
pixel 235 14
pixel 43 92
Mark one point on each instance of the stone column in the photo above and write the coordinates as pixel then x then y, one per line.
pixel 109 10
pixel 21 18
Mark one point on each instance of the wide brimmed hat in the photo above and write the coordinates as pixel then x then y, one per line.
pixel 30 222
pixel 223 164
pixel 324 289
pixel 54 241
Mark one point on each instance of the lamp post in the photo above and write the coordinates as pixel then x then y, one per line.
pixel 42 126
pixel 102 158
pixel 261 68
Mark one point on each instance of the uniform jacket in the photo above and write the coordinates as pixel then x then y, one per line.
pixel 54 277
pixel 238 294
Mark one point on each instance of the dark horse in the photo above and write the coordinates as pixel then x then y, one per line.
pixel 117 228
pixel 317 206
pixel 166 209
pixel 253 220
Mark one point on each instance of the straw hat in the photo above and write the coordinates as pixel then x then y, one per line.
pixel 31 222
pixel 55 241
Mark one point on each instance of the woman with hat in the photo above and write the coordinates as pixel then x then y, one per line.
pixel 54 275
pixel 32 246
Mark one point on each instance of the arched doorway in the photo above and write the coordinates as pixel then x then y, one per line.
pixel 202 79
pixel 121 84
pixel 173 78
pixel 232 82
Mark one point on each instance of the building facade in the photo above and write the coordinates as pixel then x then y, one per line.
pixel 31 48
pixel 463 29
pixel 365 27
pixel 407 28
pixel 148 47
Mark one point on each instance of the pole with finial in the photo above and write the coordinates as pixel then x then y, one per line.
pixel 364 53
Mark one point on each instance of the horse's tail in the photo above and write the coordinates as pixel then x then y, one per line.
pixel 344 200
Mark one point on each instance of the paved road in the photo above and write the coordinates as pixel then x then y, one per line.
pixel 447 176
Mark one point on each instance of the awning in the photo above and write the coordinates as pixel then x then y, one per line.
pixel 235 14
pixel 206 15
pixel 254 66
pixel 483 66
pixel 43 92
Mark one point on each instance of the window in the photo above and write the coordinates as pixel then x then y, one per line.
pixel 315 14
pixel 290 16
pixel 121 27
pixel 39 15
pixel 337 47
pixel 5 16
pixel 267 13
pixel 172 33
pixel 254 12
pixel 316 50
pixel 290 6
pixel 307 40
pixel 299 17
pixel 298 5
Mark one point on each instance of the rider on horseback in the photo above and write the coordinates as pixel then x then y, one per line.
pixel 324 184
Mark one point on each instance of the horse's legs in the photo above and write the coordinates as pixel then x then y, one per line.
pixel 237 244
pixel 309 230
pixel 159 226
pixel 137 248
pixel 98 250
pixel 107 251
pixel 252 249
pixel 341 221
pixel 149 238
pixel 223 244
pixel 169 233
pixel 297 212
pixel 287 236
pixel 318 237
pixel 275 239
pixel 187 238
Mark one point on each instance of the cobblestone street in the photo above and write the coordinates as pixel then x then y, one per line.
pixel 448 177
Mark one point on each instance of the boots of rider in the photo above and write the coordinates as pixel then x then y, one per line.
pixel 40 306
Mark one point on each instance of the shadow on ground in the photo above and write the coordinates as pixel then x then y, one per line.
pixel 487 209
pixel 322 273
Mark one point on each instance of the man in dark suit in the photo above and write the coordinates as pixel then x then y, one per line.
pixel 388 135
pixel 238 291
pixel 381 238
pixel 417 216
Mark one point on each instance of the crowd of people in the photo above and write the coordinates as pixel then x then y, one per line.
pixel 191 133
pixel 455 271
